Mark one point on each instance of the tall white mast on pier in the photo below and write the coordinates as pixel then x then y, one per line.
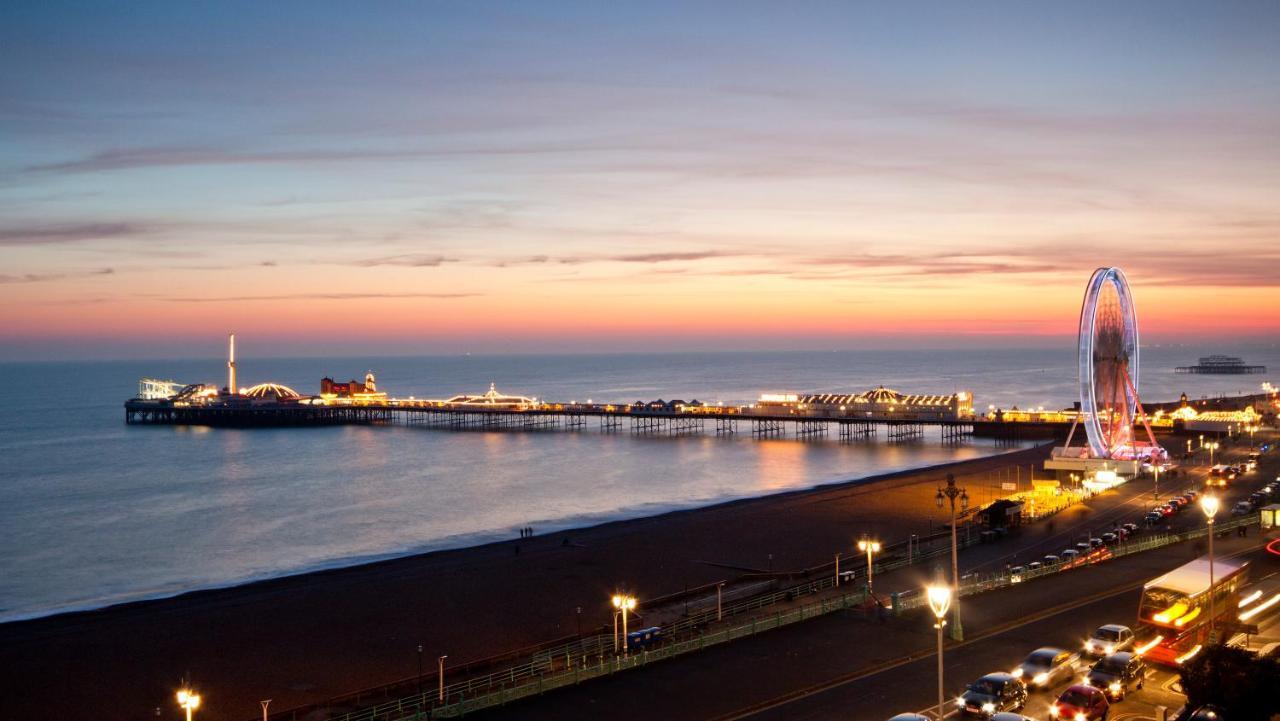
pixel 231 367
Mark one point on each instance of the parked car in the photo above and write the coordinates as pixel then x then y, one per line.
pixel 1109 639
pixel 1045 667
pixel 1110 538
pixel 1070 555
pixel 1010 716
pixel 910 717
pixel 1034 566
pixel 1081 703
pixel 991 694
pixel 1154 517
pixel 1052 560
pixel 1118 674
pixel 1206 713
pixel 1096 543
pixel 1131 527
pixel 1242 508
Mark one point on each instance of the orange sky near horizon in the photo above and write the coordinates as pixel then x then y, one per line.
pixel 462 177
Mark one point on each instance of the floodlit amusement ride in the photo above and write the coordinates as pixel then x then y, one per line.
pixel 1108 364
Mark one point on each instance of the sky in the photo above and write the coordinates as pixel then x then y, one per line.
pixel 448 177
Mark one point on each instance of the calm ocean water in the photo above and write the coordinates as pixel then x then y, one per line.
pixel 94 512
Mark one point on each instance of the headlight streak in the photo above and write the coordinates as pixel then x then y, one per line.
pixel 1188 655
pixel 1148 645
pixel 1260 607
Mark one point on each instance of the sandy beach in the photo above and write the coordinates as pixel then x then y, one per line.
pixel 303 639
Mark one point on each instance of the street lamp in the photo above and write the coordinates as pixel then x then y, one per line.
pixel 189 700
pixel 1212 447
pixel 1209 504
pixel 1155 490
pixel 951 492
pixel 419 670
pixel 441 675
pixel 264 703
pixel 939 599
pixel 623 603
pixel 869 547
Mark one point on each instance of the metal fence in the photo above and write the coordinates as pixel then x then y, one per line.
pixel 593 656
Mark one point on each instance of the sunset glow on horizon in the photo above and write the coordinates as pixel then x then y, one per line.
pixel 481 177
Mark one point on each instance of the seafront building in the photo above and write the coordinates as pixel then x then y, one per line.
pixel 878 402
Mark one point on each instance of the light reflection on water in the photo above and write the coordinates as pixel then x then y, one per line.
pixel 95 512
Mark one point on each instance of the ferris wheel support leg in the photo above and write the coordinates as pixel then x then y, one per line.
pixel 1141 413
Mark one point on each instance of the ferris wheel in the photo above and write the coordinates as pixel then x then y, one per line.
pixel 1109 364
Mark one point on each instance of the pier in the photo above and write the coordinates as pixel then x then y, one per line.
pixel 541 416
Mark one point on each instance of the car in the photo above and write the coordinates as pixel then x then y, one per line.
pixel 1052 560
pixel 1109 639
pixel 1009 716
pixel 1206 713
pixel 1096 543
pixel 1250 465
pixel 1154 517
pixel 1118 674
pixel 1242 508
pixel 910 717
pixel 1080 703
pixel 1131 527
pixel 1083 547
pixel 1034 566
pixel 1045 667
pixel 1110 538
pixel 1070 555
pixel 991 694
pixel 1191 495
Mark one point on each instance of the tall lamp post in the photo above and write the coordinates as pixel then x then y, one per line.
pixel 1155 492
pixel 441 676
pixel 1212 447
pixel 951 492
pixel 419 670
pixel 1209 504
pixel 869 547
pixel 939 599
pixel 188 700
pixel 624 603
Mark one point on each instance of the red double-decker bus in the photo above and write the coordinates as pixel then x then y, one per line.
pixel 1173 615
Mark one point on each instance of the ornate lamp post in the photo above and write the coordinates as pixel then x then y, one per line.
pixel 939 599
pixel 624 603
pixel 869 547
pixel 951 492
pixel 188 700
pixel 1209 504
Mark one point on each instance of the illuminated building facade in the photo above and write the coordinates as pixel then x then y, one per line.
pixel 878 403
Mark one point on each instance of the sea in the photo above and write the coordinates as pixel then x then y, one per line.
pixel 94 512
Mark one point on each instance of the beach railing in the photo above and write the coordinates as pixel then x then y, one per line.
pixel 461 701
pixel 583 658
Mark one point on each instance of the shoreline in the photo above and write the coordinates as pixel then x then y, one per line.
pixel 302 639
pixel 552 529
pixel 478 540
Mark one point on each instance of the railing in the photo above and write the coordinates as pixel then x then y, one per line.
pixel 594 652
pixel 593 656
